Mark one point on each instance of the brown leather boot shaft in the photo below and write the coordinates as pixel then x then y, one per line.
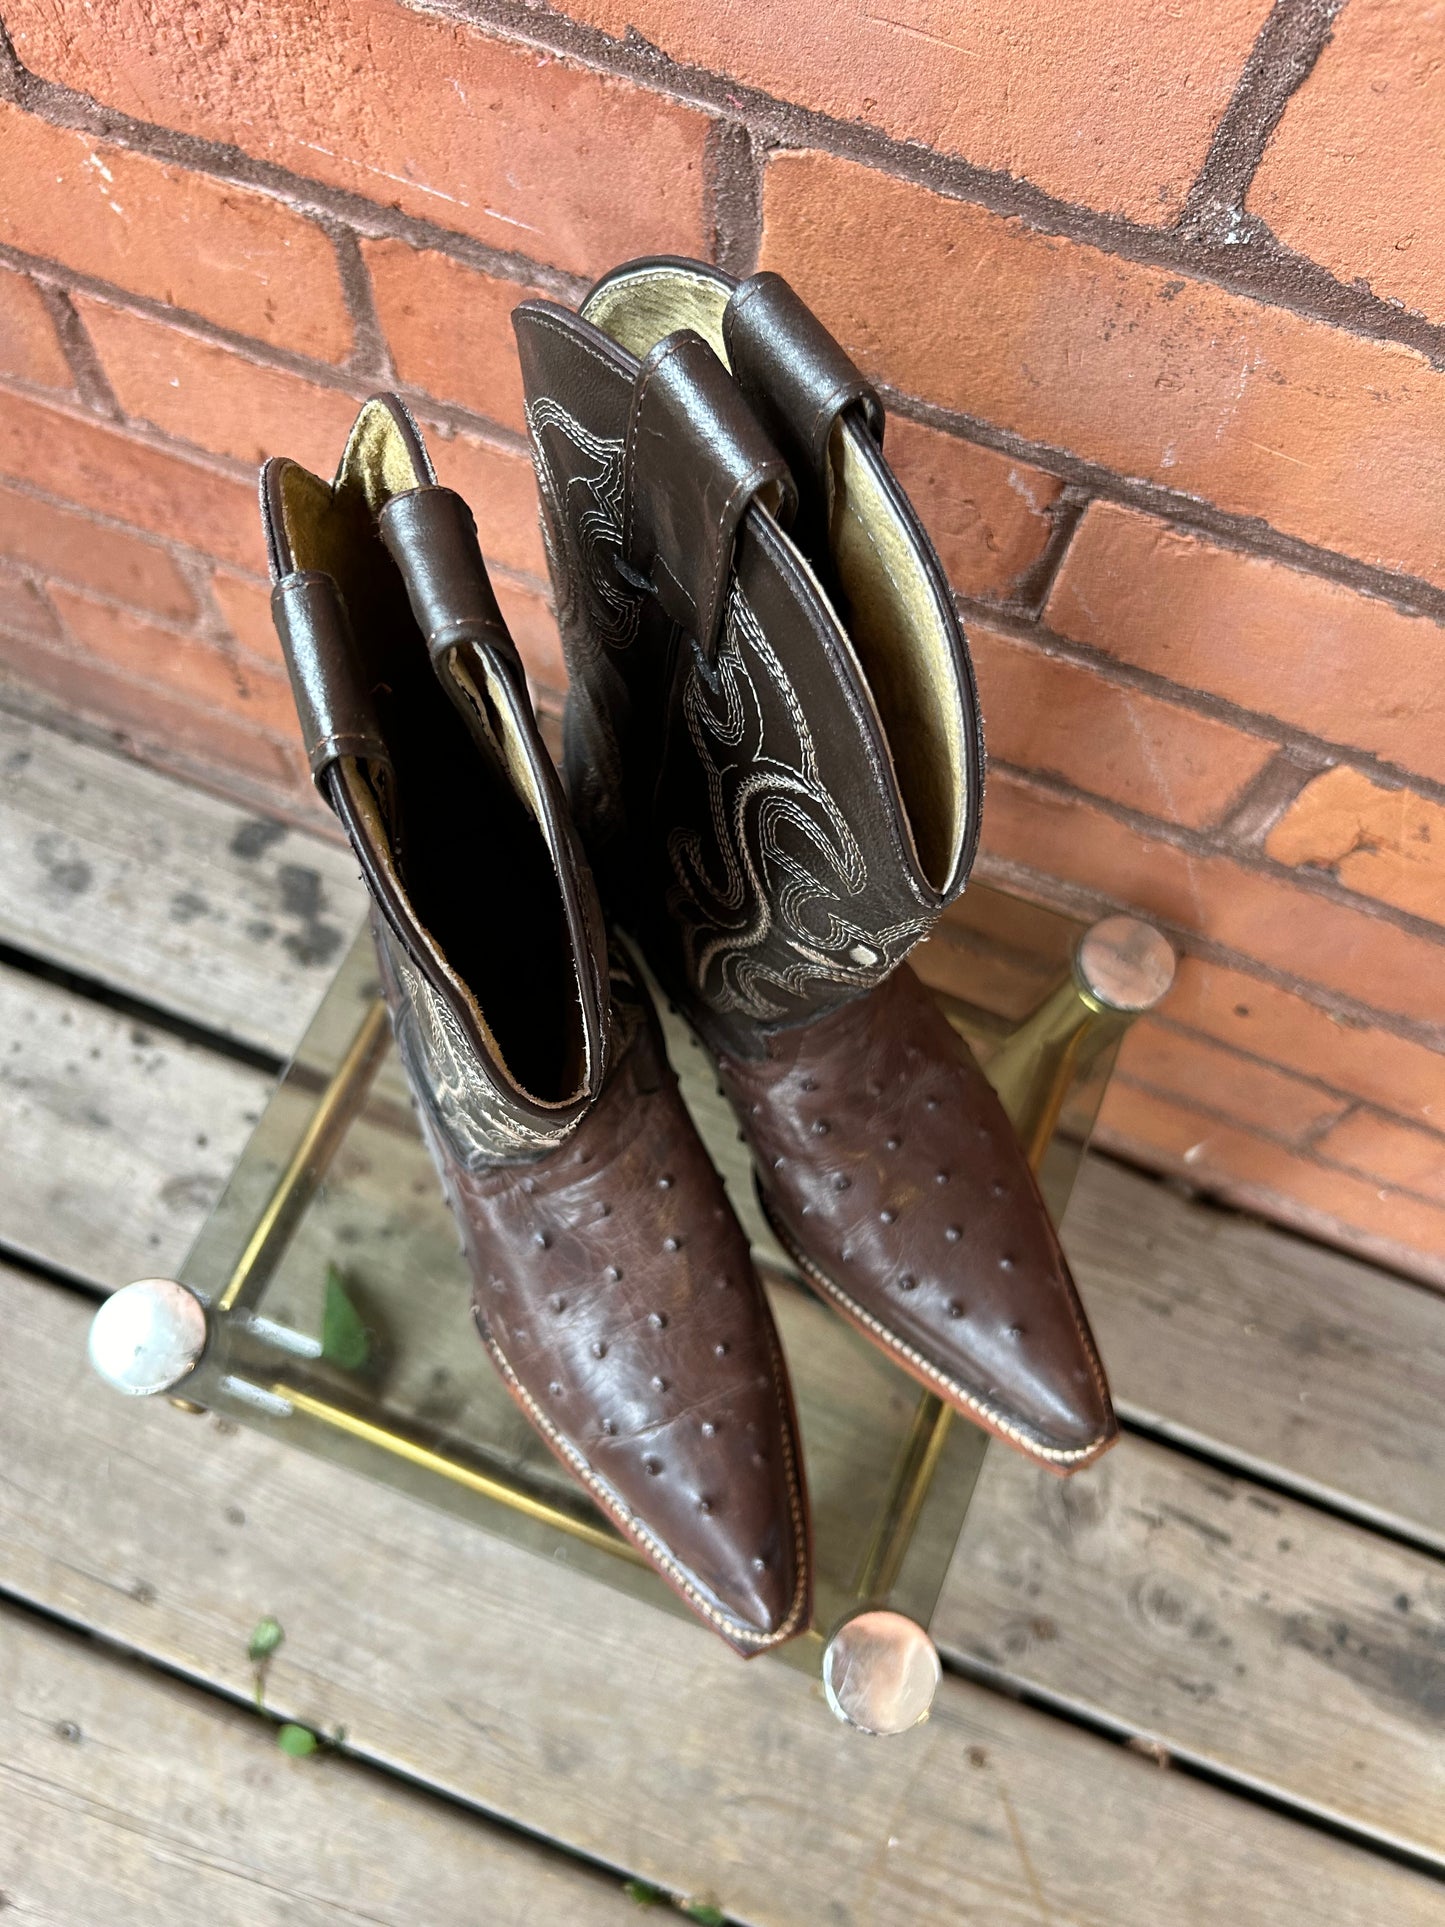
pixel 777 801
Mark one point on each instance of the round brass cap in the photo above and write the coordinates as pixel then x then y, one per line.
pixel 148 1336
pixel 1125 964
pixel 880 1672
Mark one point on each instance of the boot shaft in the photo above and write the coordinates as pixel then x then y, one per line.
pixel 772 736
pixel 422 739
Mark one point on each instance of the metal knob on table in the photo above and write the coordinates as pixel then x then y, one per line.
pixel 148 1337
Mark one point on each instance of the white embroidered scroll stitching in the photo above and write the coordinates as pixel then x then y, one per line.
pixel 787 855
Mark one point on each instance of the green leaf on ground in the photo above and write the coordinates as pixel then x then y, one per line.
pixel 298 1741
pixel 343 1336
pixel 704 1913
pixel 265 1639
pixel 644 1895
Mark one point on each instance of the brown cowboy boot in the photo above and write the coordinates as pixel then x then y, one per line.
pixel 612 1284
pixel 774 752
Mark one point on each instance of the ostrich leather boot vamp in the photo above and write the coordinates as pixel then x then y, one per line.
pixel 888 1169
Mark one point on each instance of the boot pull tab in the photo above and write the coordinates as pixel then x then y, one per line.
pixel 431 536
pixel 333 700
pixel 793 373
pixel 696 458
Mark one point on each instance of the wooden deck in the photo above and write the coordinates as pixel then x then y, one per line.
pixel 1205 1683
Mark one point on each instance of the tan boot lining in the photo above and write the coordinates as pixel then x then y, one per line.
pixel 907 654
pixel 639 309
pixel 377 459
pixel 900 640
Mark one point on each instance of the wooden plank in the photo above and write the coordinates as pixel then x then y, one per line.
pixel 157 889
pixel 137 1801
pixel 1285 1648
pixel 1299 1363
pixel 512 1683
pixel 117 1138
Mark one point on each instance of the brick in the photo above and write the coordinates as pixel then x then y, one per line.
pixel 108 470
pixel 1265 1176
pixel 1324 434
pixel 216 397
pixel 1288 928
pixel 501 489
pixel 1274 639
pixel 61 542
pixel 171 730
pixel 1355 173
pixel 514 146
pixel 202 392
pixel 1205 1074
pixel 30 350
pixel 528 613
pixel 987 514
pixel 235 255
pixel 1290 1030
pixel 1112 107
pixel 450 328
pixel 1384 1148
pixel 1043 712
pixel 1385 843
pixel 187 666
pixel 22 608
pixel 985 969
pixel 246 606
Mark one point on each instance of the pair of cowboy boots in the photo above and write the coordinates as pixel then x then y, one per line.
pixel 775 774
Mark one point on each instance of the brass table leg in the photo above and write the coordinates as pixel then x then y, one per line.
pixel 151 1336
pixel 307 1166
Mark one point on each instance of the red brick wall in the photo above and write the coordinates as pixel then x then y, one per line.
pixel 1158 293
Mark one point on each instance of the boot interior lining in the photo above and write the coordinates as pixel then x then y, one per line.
pixel 461 832
pixel 907 652
pixel 640 308
pixel 889 610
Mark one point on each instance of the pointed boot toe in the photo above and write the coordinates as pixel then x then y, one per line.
pixel 617 1297
pixel 891 1173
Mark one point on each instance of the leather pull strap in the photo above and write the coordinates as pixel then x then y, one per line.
pixel 431 536
pixel 333 699
pixel 696 457
pixel 793 372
